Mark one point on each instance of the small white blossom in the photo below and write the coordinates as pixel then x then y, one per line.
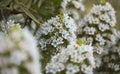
pixel 72 69
pixel 103 27
pixel 90 30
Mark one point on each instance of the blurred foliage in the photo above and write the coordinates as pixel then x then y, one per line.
pixel 41 10
pixel 36 10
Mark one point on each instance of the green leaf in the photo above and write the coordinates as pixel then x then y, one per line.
pixel 27 12
pixel 5 2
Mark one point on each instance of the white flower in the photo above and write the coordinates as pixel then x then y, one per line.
pixel 75 15
pixel 103 27
pixel 96 21
pixel 54 43
pixel 65 34
pixel 90 30
pixel 89 40
pixel 79 5
pixel 99 50
pixel 105 17
pixel 60 40
pixel 96 9
pixel 89 18
pixel 100 39
pixel 112 23
pixel 72 69
pixel 58 26
pixel 54 67
pixel 83 67
pixel 87 69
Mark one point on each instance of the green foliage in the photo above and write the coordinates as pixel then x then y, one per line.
pixel 5 2
pixel 32 10
pixel 23 70
pixel 27 12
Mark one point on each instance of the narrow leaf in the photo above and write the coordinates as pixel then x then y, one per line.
pixel 27 12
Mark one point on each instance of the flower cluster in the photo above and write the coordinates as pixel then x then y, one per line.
pixel 110 61
pixel 98 25
pixel 18 52
pixel 57 31
pixel 71 60
pixel 55 34
pixel 67 43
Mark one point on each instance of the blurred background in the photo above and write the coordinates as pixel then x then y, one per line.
pixel 41 10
